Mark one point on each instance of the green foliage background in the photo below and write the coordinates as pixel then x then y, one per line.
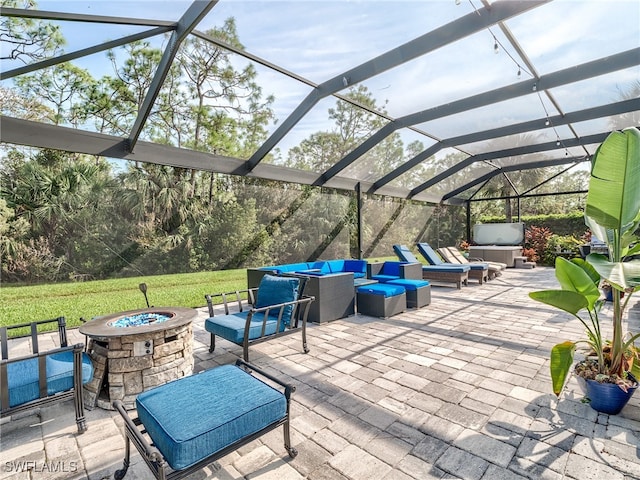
pixel 559 223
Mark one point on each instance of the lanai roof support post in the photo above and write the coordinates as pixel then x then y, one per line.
pixel 468 208
pixel 359 211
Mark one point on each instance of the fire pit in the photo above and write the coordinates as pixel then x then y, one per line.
pixel 139 319
pixel 137 350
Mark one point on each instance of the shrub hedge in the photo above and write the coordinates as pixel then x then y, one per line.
pixel 560 224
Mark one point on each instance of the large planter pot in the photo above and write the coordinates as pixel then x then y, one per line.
pixel 605 397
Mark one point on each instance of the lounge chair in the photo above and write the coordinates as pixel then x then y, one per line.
pixel 276 308
pixel 43 377
pixel 453 255
pixel 478 271
pixel 458 274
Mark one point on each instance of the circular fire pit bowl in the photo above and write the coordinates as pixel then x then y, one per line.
pixel 145 320
pixel 137 350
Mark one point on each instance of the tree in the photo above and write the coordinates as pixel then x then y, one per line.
pixel 57 195
pixel 62 89
pixel 156 196
pixel 225 110
pixel 14 104
pixel 228 113
pixel 114 101
pixel 352 125
pixel 28 40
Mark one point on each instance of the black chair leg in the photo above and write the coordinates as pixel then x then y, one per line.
pixel 293 453
pixel 119 474
pixel 80 419
pixel 305 348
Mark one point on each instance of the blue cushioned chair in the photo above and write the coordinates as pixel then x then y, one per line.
pixel 276 308
pixel 43 377
pixel 385 271
pixel 458 274
pixel 388 271
pixel 184 425
pixel 478 271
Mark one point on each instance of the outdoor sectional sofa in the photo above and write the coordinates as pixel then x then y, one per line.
pixel 330 282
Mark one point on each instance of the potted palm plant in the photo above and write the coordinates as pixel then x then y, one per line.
pixel 612 213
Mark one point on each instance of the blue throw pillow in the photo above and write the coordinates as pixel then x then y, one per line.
pixel 274 290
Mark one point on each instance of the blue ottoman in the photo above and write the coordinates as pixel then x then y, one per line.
pixel 381 300
pixel 418 291
pixel 198 419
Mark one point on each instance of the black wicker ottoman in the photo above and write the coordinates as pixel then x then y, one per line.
pixel 381 300
pixel 418 291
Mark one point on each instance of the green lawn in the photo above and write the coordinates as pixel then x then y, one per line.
pixel 101 297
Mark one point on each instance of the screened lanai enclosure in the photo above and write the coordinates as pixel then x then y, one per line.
pixel 170 136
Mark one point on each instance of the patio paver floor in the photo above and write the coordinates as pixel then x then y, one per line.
pixel 456 390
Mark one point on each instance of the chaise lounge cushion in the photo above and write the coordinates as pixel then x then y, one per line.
pixel 191 418
pixel 453 255
pixel 446 268
pixel 403 252
pixel 22 376
pixel 478 266
pixel 434 259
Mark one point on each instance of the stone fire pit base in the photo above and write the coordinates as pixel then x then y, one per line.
pixel 130 364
